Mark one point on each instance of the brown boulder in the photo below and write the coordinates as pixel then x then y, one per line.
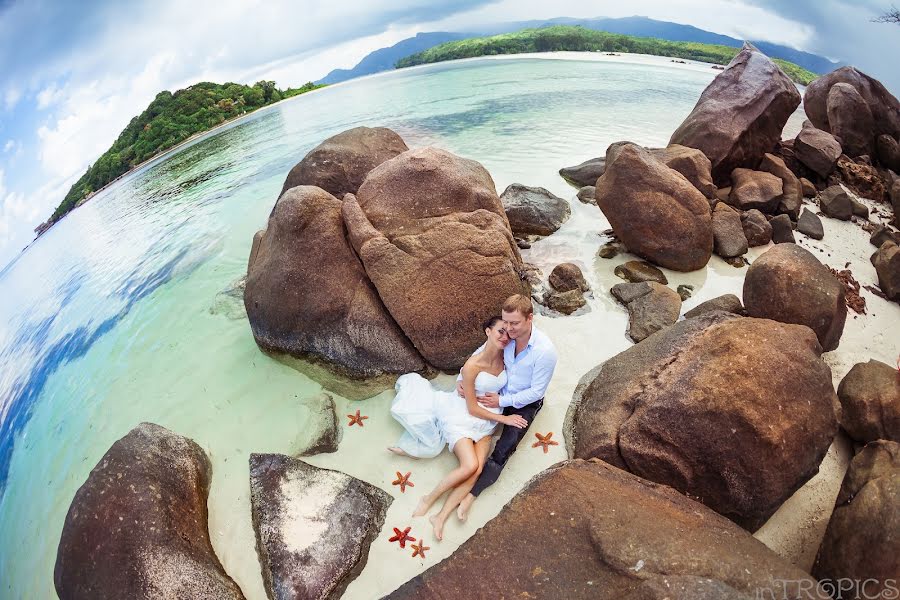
pixel 757 228
pixel 755 189
pixel 313 526
pixel 137 528
pixel 308 295
pixel 782 231
pixel 888 151
pixel 726 302
pixel 584 530
pixel 862 541
pixel 884 107
pixel 654 210
pixel 710 407
pixel 740 115
pixel 564 302
pixel 433 237
pixel 850 119
pixel 882 234
pixel 728 234
pixel 835 203
pixel 792 190
pixel 886 261
pixel 809 190
pixel 567 276
pixel 870 398
pixel 651 307
pixel 817 149
pixel 788 284
pixel 340 164
pixel 691 163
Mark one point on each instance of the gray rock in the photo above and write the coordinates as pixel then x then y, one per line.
pixel 568 276
pixel 586 173
pixel 788 284
pixel 859 209
pixel 870 402
pixel 757 228
pixel 727 303
pixel 313 526
pixel 320 433
pixel 817 149
pixel 782 231
pixel 137 528
pixel 728 234
pixel 651 307
pixel 637 271
pixel 886 261
pixel 755 189
pixel 810 224
pixel 586 195
pixel 882 234
pixel 862 541
pixel 835 202
pixel 533 211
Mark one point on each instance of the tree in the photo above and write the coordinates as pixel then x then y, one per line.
pixel 891 16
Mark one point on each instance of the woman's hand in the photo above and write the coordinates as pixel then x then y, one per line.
pixel 515 421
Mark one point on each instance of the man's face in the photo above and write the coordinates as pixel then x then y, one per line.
pixel 517 324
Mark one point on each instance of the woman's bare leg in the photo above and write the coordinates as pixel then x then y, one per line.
pixel 399 451
pixel 464 450
pixel 466 500
pixel 482 448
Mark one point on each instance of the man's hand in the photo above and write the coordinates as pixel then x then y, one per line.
pixel 489 400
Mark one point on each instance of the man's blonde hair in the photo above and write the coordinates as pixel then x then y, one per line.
pixel 518 303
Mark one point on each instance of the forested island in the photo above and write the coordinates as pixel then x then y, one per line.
pixel 580 39
pixel 170 119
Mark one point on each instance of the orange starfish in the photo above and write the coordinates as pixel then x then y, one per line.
pixel 545 441
pixel 420 549
pixel 356 419
pixel 403 481
pixel 402 537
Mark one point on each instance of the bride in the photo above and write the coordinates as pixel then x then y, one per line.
pixel 433 418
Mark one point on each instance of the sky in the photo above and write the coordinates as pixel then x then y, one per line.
pixel 72 74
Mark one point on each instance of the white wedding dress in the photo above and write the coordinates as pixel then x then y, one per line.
pixel 433 418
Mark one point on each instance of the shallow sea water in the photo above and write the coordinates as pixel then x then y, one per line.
pixel 117 315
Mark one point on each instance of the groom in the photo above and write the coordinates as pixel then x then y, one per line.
pixel 530 359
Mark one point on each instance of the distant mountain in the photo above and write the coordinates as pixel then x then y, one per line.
pixel 385 58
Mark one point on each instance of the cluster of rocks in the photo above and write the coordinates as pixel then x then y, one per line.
pixel 362 224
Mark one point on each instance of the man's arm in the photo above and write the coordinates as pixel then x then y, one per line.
pixel 540 379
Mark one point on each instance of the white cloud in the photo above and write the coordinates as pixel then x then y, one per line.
pixel 10 144
pixel 11 97
pixel 48 96
pixel 13 208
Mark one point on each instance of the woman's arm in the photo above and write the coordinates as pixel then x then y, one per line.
pixel 469 372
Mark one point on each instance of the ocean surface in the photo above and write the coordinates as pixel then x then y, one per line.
pixel 123 312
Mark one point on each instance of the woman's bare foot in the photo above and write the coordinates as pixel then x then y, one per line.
pixel 462 512
pixel 423 506
pixel 397 451
pixel 438 524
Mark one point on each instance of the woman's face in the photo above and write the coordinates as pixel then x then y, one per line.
pixel 498 335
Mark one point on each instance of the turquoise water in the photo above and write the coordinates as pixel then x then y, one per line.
pixel 115 315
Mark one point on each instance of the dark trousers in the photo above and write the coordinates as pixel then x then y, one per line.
pixel 505 446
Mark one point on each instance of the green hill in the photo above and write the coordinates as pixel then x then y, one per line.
pixel 579 39
pixel 169 120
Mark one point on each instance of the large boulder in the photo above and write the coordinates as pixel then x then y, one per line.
pixel 862 541
pixel 788 284
pixel 817 149
pixel 728 234
pixel 740 115
pixel 586 173
pixel 585 530
pixel 888 151
pixel 755 190
pixel 340 164
pixel 651 307
pixel 882 104
pixel 870 401
pixel 850 119
pixel 654 210
pixel 313 526
pixel 886 261
pixel 434 240
pixel 137 528
pixel 792 190
pixel 308 295
pixel 734 411
pixel 533 211
pixel 691 163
